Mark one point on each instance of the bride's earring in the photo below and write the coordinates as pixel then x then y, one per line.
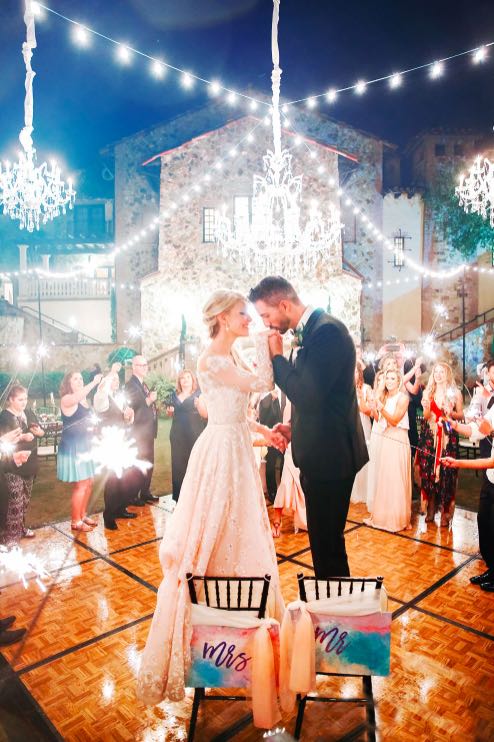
pixel 227 327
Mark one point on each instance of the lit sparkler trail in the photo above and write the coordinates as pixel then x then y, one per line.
pixel 23 565
pixel 112 450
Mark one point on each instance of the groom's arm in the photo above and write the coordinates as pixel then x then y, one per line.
pixel 307 386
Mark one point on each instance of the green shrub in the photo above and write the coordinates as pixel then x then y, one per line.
pixel 162 385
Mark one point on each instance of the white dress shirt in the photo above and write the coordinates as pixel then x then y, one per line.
pixel 478 436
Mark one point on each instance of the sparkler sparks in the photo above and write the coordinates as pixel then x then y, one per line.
pixel 113 451
pixel 23 565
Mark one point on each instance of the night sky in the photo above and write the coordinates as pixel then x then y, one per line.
pixel 84 99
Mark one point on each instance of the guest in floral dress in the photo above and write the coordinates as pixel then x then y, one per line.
pixel 441 400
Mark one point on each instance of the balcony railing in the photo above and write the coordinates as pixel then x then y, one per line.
pixel 61 288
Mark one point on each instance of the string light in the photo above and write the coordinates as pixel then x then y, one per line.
pixel 124 54
pixel 187 81
pixel 360 87
pixel 478 54
pixel 395 80
pixel 81 36
pixel 436 70
pixel 158 69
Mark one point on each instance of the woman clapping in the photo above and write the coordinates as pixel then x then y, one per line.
pixel 391 480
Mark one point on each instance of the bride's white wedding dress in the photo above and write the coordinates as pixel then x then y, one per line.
pixel 220 525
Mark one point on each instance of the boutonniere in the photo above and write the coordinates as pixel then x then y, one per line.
pixel 298 338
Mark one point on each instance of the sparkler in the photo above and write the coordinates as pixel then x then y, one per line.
pixel 23 357
pixel 23 565
pixel 121 400
pixel 113 451
pixel 7 449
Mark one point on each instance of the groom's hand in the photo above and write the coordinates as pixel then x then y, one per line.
pixel 284 430
pixel 275 342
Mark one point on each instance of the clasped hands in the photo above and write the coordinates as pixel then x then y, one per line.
pixel 280 436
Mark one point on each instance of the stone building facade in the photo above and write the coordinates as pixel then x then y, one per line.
pixel 158 167
pixel 156 171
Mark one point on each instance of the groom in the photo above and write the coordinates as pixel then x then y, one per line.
pixel 328 444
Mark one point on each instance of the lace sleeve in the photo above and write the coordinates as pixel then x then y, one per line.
pixel 226 372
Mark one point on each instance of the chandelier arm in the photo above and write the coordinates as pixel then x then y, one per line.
pixel 276 80
pixel 25 137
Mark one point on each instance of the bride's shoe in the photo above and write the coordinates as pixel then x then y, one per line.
pixel 276 528
pixel 89 521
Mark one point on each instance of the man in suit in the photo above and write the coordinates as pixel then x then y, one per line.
pixel 270 415
pixel 114 414
pixel 328 443
pixel 145 426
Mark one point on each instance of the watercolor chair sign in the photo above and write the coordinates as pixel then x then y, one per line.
pixel 222 656
pixel 352 645
pixel 230 649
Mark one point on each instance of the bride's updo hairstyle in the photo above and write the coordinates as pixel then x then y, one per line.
pixel 220 301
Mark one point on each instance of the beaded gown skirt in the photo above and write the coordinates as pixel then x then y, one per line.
pixel 219 527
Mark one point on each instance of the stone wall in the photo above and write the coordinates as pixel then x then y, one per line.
pixel 189 269
pixel 191 144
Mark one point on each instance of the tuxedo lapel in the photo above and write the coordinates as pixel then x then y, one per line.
pixel 311 324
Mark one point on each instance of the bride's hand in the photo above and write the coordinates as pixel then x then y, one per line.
pixel 275 342
pixel 275 440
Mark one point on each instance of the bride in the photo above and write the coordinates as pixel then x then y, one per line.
pixel 220 525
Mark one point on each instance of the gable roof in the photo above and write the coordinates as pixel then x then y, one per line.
pixel 286 132
pixel 187 126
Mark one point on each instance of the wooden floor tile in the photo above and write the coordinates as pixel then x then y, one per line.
pixel 150 523
pixel 463 602
pixel 53 549
pixel 407 566
pixel 85 601
pixel 462 536
pixel 142 561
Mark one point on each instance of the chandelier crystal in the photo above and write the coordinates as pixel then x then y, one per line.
pixel 277 239
pixel 476 190
pixel 30 193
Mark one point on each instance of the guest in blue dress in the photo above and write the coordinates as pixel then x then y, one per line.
pixel 76 440
pixel 188 411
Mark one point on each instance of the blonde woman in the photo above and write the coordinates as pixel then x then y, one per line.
pixel 220 525
pixel 375 438
pixel 392 497
pixel 441 400
pixel 364 399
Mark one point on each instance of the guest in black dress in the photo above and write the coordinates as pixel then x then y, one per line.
pixel 19 480
pixel 188 412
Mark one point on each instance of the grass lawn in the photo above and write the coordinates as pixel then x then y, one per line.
pixel 51 499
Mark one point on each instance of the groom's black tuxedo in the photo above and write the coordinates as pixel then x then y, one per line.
pixel 328 443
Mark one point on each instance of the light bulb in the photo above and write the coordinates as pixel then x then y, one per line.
pixel 81 36
pixel 123 54
pixel 437 69
pixel 395 80
pixel 158 69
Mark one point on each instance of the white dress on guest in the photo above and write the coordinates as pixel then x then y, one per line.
pixel 360 486
pixel 390 478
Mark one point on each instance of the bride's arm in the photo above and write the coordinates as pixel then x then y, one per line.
pixel 229 374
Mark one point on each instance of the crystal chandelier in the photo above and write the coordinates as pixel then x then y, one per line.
pixel 32 194
pixel 276 240
pixel 476 190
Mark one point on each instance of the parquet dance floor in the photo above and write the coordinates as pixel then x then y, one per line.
pixel 73 677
